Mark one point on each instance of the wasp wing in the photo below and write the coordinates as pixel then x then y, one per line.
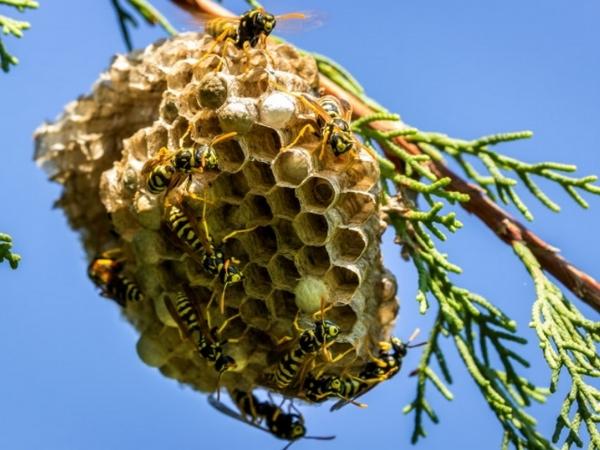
pixel 223 408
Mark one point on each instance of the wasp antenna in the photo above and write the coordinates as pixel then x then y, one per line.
pixel 186 134
pixel 420 344
pixel 233 233
pixel 223 137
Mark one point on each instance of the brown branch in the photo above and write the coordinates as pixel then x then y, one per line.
pixel 506 227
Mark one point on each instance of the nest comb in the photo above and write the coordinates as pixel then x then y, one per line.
pixel 313 224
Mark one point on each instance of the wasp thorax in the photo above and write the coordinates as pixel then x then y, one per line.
pixel 270 258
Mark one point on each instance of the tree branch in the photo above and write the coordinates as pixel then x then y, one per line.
pixel 506 227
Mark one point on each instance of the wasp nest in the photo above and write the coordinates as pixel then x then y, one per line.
pixel 308 224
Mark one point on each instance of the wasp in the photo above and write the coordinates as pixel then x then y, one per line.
pixel 106 271
pixel 212 255
pixel 333 125
pixel 169 168
pixel 186 316
pixel 310 341
pixel 249 30
pixel 287 426
pixel 383 367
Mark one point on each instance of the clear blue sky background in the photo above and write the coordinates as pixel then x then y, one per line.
pixel 70 378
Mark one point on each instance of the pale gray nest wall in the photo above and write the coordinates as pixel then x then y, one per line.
pixel 312 220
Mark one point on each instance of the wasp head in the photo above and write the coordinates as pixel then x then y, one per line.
pixel 254 24
pixel 183 160
pixel 341 142
pixel 327 329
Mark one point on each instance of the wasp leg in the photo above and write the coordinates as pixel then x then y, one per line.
pixel 303 130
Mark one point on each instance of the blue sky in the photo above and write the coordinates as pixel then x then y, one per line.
pixel 70 376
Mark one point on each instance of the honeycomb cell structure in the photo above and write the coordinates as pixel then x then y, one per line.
pixel 303 229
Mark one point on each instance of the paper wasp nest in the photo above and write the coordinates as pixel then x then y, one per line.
pixel 307 218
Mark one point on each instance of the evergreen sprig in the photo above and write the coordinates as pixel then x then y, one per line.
pixel 477 328
pixel 145 9
pixel 14 28
pixel 495 163
pixel 570 341
pixel 6 253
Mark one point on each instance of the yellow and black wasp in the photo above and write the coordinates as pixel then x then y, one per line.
pixel 168 168
pixel 283 425
pixel 310 341
pixel 248 30
pixel 383 367
pixel 106 271
pixel 333 125
pixel 186 316
pixel 211 254
pixel 319 389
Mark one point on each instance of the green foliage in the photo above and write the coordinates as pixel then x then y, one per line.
pixel 6 253
pixel 475 326
pixel 472 322
pixel 145 9
pixel 434 144
pixel 568 340
pixel 13 27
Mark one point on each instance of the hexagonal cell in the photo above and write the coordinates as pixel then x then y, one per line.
pixel 292 167
pixel 313 260
pixel 200 295
pixel 169 110
pixel 283 202
pixel 233 329
pixel 343 350
pixel 287 239
pixel 259 176
pixel 234 294
pixel 224 217
pixel 283 272
pixel 361 173
pixel 347 244
pixel 189 99
pixel 156 139
pixel 259 337
pixel 312 229
pixel 258 281
pixel 254 82
pixel 179 130
pixel 212 91
pixel 263 143
pixel 238 114
pixel 317 194
pixel 343 316
pixel 282 305
pixel 343 283
pixel 230 187
pixel 281 330
pixel 260 243
pixel 230 154
pixel 256 209
pixel 356 207
pixel 180 75
pixel 206 126
pixel 254 312
pixel 233 248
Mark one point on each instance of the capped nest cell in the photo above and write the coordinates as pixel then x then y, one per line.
pixel 304 230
